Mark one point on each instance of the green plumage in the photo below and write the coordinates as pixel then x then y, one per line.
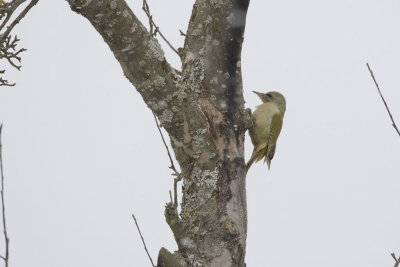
pixel 267 124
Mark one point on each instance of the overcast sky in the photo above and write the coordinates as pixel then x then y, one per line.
pixel 82 152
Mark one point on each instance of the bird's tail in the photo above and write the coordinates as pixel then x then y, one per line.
pixel 251 160
pixel 258 154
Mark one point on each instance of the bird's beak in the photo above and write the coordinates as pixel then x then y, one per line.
pixel 257 93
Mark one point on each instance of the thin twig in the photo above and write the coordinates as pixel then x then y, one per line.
pixel 170 196
pixel 172 167
pixel 146 10
pixel 7 240
pixel 144 244
pixel 182 33
pixel 396 260
pixel 383 99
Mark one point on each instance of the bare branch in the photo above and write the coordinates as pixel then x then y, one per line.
pixel 6 239
pixel 140 55
pixel 17 19
pixel 9 51
pixel 219 51
pixel 4 82
pixel 144 244
pixel 383 99
pixel 146 10
pixel 7 9
pixel 397 264
pixel 8 44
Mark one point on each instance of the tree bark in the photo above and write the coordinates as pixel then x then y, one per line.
pixel 202 109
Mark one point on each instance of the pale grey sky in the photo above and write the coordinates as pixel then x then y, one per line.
pixel 81 150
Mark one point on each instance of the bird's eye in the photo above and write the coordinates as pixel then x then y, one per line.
pixel 269 95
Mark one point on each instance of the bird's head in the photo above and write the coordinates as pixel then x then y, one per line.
pixel 275 97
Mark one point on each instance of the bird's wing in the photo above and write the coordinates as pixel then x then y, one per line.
pixel 275 129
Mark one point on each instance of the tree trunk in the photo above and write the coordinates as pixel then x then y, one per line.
pixel 202 109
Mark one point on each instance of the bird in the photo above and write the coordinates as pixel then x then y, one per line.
pixel 267 124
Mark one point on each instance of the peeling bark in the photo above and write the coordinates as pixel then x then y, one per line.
pixel 202 109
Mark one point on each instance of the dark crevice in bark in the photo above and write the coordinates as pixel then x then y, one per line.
pixel 234 49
